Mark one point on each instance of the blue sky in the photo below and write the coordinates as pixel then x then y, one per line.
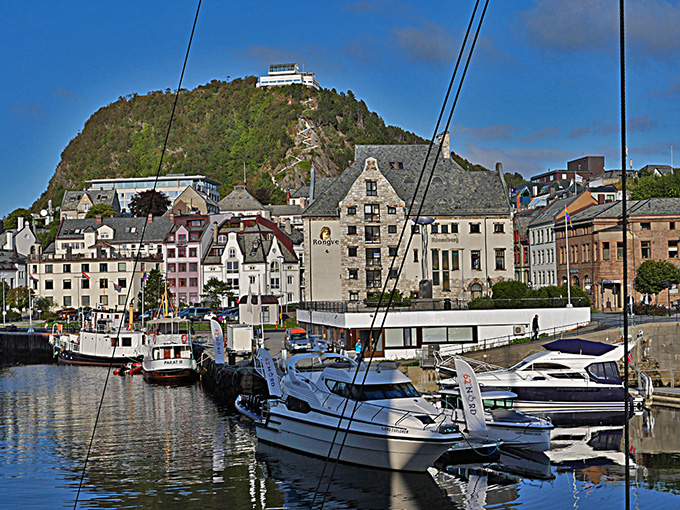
pixel 543 85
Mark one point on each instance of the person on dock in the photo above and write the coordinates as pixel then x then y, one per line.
pixel 534 328
pixel 357 349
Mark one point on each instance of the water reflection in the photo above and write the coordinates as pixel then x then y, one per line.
pixel 172 447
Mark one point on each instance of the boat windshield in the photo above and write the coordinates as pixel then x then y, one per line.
pixel 519 365
pixel 373 391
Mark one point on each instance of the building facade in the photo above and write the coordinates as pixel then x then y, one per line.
pixel 287 74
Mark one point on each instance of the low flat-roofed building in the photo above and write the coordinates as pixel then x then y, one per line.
pixel 287 74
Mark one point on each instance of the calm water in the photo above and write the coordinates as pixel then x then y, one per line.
pixel 173 447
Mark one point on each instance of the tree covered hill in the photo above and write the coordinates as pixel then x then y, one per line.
pixel 279 134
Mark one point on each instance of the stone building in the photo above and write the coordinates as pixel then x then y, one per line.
pixel 353 240
pixel 596 247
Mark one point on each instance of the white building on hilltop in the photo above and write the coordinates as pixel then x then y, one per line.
pixel 287 74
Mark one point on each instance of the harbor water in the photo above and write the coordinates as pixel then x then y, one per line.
pixel 174 447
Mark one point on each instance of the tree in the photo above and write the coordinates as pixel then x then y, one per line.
pixel 11 221
pixel 149 202
pixel 154 288
pixel 215 291
pixel 17 297
pixel 653 276
pixel 104 210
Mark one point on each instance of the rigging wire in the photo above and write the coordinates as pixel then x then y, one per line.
pixel 624 228
pixel 136 259
pixel 371 340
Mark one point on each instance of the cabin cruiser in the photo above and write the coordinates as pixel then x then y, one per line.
pixel 104 339
pixel 569 375
pixel 168 354
pixel 503 423
pixel 370 413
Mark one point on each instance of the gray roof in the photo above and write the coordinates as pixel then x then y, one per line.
pixel 547 214
pixel 459 192
pixel 240 200
pixel 100 196
pixel 126 230
pixel 646 207
pixel 284 210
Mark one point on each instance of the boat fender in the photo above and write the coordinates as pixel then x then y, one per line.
pixel 184 339
pixel 153 338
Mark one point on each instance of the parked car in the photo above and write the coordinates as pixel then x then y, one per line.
pixel 68 313
pixel 194 313
pixel 229 316
pixel 297 339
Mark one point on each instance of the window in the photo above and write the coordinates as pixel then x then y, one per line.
pixel 181 252
pixel 192 252
pixel 67 301
pixel 455 260
pixel 445 229
pixel 476 260
pixel 49 268
pixel 182 268
pixel 251 279
pixel 85 300
pixel 646 249
pixel 371 212
pixel 500 259
pixel 672 249
pixel 171 253
pixel 454 228
pixel 121 266
pixel 372 256
pixel 103 283
pixel 434 228
pixel 66 268
pixel 49 285
pixel 352 251
pixel 415 255
pixel 645 226
pixel 104 300
pixel 371 188
pixel 393 274
pixel 391 210
pixel 415 229
pixel 171 268
pixel 605 251
pixel 351 229
pixel 373 279
pixel 103 267
pixel 475 228
pixel 372 234
pixel 351 210
pixel 354 296
pixel 66 284
pixel 85 267
pixel 84 283
pixel 275 267
pixel 122 282
pixel 671 225
pixel 619 250
pixel 171 282
pixel 232 267
pixel 182 282
pixel 353 274
pixel 391 229
pixel 498 228
pixel 476 290
pixel 290 280
pixel 392 251
pixel 193 267
pixel 232 253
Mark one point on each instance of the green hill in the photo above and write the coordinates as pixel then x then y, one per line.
pixel 279 133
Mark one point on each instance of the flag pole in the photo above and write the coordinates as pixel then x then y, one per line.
pixel 566 237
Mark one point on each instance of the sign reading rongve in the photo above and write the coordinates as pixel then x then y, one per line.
pixel 471 397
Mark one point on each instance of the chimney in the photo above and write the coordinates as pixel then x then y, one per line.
pixel 312 178
pixel 20 224
pixel 287 227
pixel 499 167
pixel 443 140
pixel 215 233
pixel 149 218
pixel 98 219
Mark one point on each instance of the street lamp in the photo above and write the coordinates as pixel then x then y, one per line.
pixel 4 310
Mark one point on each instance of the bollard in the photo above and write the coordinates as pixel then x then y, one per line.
pixel 232 358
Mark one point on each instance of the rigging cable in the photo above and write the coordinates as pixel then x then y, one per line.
pixel 624 228
pixel 136 259
pixel 373 341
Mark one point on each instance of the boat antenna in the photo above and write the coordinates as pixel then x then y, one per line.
pixel 371 340
pixel 137 257
pixel 624 229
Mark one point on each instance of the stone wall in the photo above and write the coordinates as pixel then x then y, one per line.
pixel 25 348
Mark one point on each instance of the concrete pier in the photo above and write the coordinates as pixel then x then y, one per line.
pixel 226 382
pixel 25 348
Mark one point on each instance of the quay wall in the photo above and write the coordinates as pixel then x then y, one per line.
pixel 25 348
pixel 226 382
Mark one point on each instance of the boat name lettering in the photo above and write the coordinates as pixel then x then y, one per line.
pixel 467 382
pixel 171 361
pixel 394 429
pixel 269 368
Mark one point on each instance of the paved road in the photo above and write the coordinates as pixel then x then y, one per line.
pixel 615 320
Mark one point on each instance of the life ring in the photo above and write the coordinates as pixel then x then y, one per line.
pixel 184 339
pixel 153 338
pixel 129 327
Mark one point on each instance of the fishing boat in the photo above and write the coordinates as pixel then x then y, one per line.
pixel 168 354
pixel 568 376
pixel 104 339
pixel 328 405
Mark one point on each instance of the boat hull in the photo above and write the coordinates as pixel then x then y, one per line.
pixel 378 450
pixel 74 358
pixel 183 376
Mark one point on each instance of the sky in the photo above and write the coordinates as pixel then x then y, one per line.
pixel 543 85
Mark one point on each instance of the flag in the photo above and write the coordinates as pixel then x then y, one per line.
pixel 144 275
pixel 566 211
pixel 118 288
pixel 85 276
pixel 578 178
pixel 630 357
pixel 32 278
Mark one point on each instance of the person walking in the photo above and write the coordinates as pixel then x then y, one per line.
pixel 357 349
pixel 534 328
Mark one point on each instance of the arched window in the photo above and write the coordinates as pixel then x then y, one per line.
pixel 232 253
pixel 275 267
pixel 577 282
pixel 476 290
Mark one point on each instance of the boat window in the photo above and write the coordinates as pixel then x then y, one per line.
pixel 549 366
pixel 518 366
pixel 126 341
pixel 297 405
pixel 566 375
pixel 386 391
pixel 607 372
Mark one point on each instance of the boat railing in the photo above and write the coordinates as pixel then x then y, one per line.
pixel 448 362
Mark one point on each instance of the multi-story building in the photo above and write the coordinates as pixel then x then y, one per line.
pixel 596 247
pixel 241 203
pixel 76 204
pixel 352 230
pixel 287 74
pixel 171 185
pixel 253 255
pixel 91 261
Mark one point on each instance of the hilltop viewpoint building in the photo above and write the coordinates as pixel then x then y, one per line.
pixel 287 74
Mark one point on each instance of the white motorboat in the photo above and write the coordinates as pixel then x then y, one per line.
pixel 570 375
pixel 103 340
pixel 168 354
pixel 382 423
pixel 503 423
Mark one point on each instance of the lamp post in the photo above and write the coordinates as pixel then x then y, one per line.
pixel 462 273
pixel 4 310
